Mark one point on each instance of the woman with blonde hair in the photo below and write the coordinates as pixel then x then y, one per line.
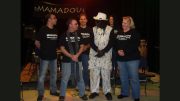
pixel 127 42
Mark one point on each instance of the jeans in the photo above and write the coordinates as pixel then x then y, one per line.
pixel 114 63
pixel 85 58
pixel 114 60
pixel 42 73
pixel 129 75
pixel 66 72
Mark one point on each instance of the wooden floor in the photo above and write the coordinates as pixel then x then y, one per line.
pixel 153 94
pixel 29 74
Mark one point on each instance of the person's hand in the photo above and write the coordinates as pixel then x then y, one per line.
pixel 75 58
pixel 37 44
pixel 72 57
pixel 100 54
pixel 121 53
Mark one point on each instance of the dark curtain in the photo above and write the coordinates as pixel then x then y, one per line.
pixel 144 12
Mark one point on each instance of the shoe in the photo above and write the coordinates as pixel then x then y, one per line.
pixel 84 97
pixel 136 99
pixel 61 98
pixel 121 96
pixel 54 94
pixel 93 95
pixel 87 88
pixel 108 96
pixel 40 97
pixel 76 88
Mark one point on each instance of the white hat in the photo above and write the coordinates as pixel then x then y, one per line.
pixel 100 16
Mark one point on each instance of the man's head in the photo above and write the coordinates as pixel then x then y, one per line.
pixel 101 20
pixel 50 19
pixel 83 19
pixel 111 20
pixel 101 23
pixel 72 24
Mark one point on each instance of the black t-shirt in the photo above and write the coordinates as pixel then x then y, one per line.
pixel 129 42
pixel 48 42
pixel 86 34
pixel 63 41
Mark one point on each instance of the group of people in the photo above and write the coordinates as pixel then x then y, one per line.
pixel 87 55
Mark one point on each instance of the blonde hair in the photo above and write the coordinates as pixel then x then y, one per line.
pixel 132 25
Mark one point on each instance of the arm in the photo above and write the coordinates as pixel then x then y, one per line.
pixel 118 44
pixel 86 47
pixel 80 50
pixel 92 44
pixel 129 48
pixel 65 52
pixel 110 43
pixel 75 57
pixel 38 38
pixel 108 47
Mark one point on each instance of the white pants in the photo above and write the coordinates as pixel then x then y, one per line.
pixel 95 80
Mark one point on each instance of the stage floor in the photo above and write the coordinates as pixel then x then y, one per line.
pixel 29 74
pixel 153 94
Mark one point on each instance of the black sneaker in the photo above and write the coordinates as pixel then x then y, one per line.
pixel 93 95
pixel 54 94
pixel 40 97
pixel 108 96
pixel 121 96
pixel 61 98
pixel 136 99
pixel 84 97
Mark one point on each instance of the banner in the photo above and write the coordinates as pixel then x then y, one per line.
pixel 61 10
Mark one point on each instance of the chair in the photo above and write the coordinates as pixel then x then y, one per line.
pixel 114 78
pixel 143 78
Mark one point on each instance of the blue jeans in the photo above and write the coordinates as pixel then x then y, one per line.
pixel 114 60
pixel 85 59
pixel 42 73
pixel 114 63
pixel 66 72
pixel 129 75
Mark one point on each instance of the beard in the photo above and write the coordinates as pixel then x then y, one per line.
pixel 101 24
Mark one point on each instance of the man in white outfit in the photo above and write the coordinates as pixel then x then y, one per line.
pixel 100 56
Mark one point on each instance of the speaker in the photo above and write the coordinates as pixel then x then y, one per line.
pixel 29 32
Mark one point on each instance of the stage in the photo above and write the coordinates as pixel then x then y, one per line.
pixel 153 94
pixel 29 84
